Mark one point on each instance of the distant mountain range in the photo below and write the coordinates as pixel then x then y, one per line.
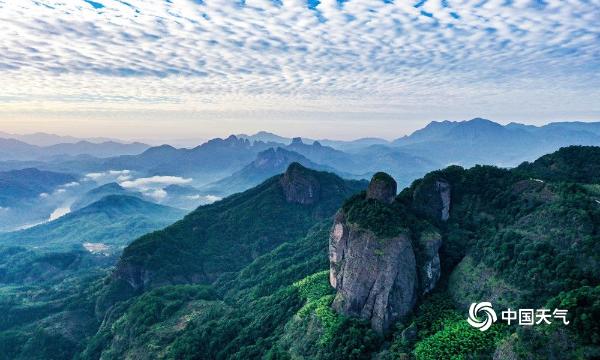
pixel 19 185
pixel 104 226
pixel 481 141
pixel 45 139
pixel 223 166
pixel 268 163
pixel 12 149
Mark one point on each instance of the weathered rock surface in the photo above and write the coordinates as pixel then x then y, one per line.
pixel 300 186
pixel 376 279
pixel 382 187
pixel 429 267
pixel 432 198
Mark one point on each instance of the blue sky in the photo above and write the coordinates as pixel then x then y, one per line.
pixel 338 69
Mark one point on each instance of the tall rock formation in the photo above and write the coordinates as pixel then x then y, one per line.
pixel 382 187
pixel 375 278
pixel 299 185
pixel 378 270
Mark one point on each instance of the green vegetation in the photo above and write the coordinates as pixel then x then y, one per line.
pixel 110 223
pixel 257 280
pixel 230 234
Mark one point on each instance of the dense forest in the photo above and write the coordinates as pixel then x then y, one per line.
pixel 248 276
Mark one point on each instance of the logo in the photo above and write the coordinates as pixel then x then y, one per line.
pixel 524 317
pixel 490 316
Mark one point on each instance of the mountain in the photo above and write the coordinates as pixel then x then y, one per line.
pixel 481 141
pixel 102 150
pixel 208 162
pixel 44 139
pixel 320 154
pixel 266 136
pixel 272 273
pixel 12 149
pixel 229 234
pixel 18 185
pixel 352 145
pixel 366 161
pixel 100 192
pixel 106 225
pixel 267 164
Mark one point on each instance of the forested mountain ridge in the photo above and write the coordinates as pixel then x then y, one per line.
pixel 525 237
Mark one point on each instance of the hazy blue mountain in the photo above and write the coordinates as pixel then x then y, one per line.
pixel 12 149
pixel 18 185
pixel 45 139
pixel 104 149
pixel 100 192
pixel 364 162
pixel 205 163
pixel 352 145
pixel 591 127
pixel 403 166
pixel 481 141
pixel 268 163
pixel 344 145
pixel 103 226
pixel 266 136
pixel 324 155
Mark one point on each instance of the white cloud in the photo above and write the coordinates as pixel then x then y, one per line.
pixel 156 194
pixel 44 195
pixel 71 184
pixel 154 187
pixel 59 212
pixel 154 182
pixel 204 198
pixel 108 176
pixel 359 55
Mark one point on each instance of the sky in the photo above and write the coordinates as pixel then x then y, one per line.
pixel 332 69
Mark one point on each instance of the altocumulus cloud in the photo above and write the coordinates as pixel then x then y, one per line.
pixel 361 54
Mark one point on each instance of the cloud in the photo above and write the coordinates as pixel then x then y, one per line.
pixel 204 198
pixel 108 176
pixel 154 182
pixel 356 55
pixel 156 194
pixel 71 184
pixel 59 212
pixel 154 187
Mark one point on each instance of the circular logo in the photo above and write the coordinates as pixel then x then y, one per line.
pixel 490 316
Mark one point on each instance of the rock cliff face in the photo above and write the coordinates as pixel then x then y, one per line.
pixel 300 186
pixel 375 279
pixel 432 198
pixel 380 278
pixel 429 266
pixel 382 187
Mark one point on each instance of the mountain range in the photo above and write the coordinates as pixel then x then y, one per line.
pixel 12 149
pixel 308 265
pixel 105 226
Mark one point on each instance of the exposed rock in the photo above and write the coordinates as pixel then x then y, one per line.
pixel 299 185
pixel 382 187
pixel 297 141
pixel 429 266
pixel 432 198
pixel 375 279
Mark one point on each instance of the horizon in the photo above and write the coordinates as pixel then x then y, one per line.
pixel 190 140
pixel 323 69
